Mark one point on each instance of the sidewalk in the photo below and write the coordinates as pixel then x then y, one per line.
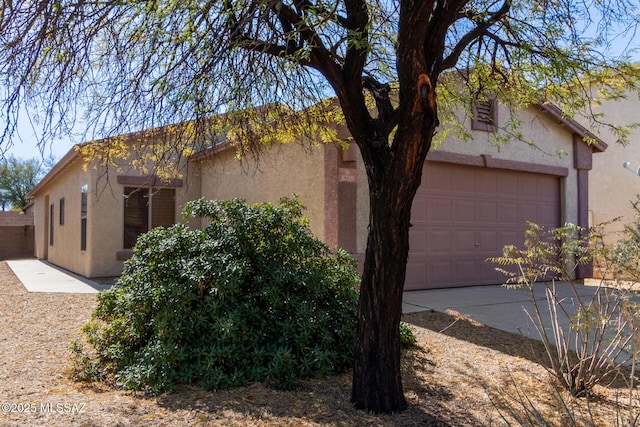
pixel 41 276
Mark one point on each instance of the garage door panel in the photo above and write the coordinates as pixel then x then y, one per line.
pixel 527 212
pixel 509 237
pixel 438 242
pixel 486 212
pixel 464 211
pixel 464 271
pixel 418 241
pixel 487 240
pixel 464 241
pixel 488 274
pixel 463 181
pixel 419 210
pixel 507 212
pixel 527 186
pixel 439 271
pixel 438 179
pixel 438 210
pixel 467 214
pixel 547 215
pixel 416 272
pixel 508 187
pixel 486 184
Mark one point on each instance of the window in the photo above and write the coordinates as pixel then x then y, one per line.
pixel 485 115
pixel 61 216
pixel 83 218
pixel 51 223
pixel 146 208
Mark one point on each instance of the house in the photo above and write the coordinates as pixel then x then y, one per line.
pixel 474 199
pixel 613 187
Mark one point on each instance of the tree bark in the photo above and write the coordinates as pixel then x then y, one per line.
pixel 377 382
pixel 394 175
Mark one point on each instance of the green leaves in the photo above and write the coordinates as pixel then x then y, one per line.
pixel 252 297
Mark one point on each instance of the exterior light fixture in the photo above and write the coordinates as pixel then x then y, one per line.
pixel 627 167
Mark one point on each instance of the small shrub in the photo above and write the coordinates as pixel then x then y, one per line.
pixel 254 296
pixel 587 340
pixel 407 336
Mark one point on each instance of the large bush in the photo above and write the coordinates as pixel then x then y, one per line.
pixel 251 297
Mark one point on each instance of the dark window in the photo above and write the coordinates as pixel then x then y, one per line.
pixel 145 209
pixel 83 218
pixel 485 115
pixel 61 216
pixel 51 223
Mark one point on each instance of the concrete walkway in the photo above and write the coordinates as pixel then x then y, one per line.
pixel 41 276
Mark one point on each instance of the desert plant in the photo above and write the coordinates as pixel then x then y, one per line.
pixel 626 251
pixel 407 336
pixel 254 296
pixel 586 340
pixel 517 407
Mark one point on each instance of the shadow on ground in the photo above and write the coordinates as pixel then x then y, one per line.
pixel 323 402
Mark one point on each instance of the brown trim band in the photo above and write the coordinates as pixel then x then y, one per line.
pixel 488 161
pixel 148 181
pixel 124 255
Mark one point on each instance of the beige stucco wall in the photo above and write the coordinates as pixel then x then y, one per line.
pixel 282 171
pixel 105 228
pixel 65 251
pixel 537 126
pixel 612 187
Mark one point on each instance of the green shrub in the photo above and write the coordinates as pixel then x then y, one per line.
pixel 407 336
pixel 251 297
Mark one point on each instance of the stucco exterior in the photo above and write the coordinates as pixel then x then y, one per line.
pixel 612 187
pixel 103 255
pixel 283 171
pixel 329 179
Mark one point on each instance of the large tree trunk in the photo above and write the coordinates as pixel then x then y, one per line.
pixel 377 383
pixel 394 175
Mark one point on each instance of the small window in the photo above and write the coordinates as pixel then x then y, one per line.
pixel 52 211
pixel 83 218
pixel 485 115
pixel 61 216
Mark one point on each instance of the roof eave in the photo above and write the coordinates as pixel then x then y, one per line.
pixel 595 142
pixel 68 158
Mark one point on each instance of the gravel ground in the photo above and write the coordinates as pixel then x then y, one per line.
pixel 461 374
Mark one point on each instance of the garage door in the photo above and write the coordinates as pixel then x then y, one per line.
pixel 462 215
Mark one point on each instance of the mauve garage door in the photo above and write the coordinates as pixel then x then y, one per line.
pixel 463 215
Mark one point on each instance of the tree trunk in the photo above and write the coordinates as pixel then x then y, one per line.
pixel 377 383
pixel 394 175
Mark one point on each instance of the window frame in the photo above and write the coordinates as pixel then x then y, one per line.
pixel 146 216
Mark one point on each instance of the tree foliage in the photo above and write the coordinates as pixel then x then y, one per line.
pixel 251 297
pixel 401 72
pixel 17 178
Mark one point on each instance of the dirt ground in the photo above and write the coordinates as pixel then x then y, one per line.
pixel 461 374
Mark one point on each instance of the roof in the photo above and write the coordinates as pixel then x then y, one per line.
pixel 597 144
pixel 65 162
pixel 590 138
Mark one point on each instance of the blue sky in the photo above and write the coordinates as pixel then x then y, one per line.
pixel 25 143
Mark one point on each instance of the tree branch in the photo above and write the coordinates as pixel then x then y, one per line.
pixel 451 60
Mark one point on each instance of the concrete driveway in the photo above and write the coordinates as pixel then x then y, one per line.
pixel 495 306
